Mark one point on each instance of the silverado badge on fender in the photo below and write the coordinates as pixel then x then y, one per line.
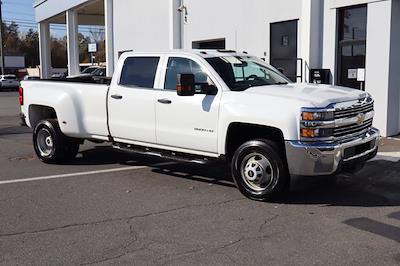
pixel 204 130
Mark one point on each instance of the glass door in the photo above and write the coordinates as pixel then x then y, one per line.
pixel 352 47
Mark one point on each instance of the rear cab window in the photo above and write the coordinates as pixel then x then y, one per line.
pixel 139 72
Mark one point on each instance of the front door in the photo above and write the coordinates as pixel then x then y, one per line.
pixel 283 45
pixel 131 102
pixel 352 47
pixel 187 122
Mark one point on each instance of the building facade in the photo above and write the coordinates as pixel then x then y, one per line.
pixel 354 43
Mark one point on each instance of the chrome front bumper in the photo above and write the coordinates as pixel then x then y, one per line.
pixel 314 159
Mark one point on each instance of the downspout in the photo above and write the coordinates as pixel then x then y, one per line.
pixel 183 10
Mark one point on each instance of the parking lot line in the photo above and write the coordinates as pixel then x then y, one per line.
pixel 5 182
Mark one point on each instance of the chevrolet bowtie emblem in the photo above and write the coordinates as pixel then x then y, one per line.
pixel 360 119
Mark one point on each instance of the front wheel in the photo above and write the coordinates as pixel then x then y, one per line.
pixel 51 145
pixel 259 171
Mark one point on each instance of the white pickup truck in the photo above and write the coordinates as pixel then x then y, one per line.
pixel 206 105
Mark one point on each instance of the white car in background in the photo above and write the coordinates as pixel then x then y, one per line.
pixel 8 82
pixel 27 77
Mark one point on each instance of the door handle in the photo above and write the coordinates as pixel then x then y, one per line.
pixel 117 97
pixel 164 101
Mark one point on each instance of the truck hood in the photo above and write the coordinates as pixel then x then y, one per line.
pixel 315 95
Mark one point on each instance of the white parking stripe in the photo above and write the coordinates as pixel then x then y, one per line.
pixel 72 175
pixel 387 156
pixel 394 154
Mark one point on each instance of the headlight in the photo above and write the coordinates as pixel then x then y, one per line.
pixel 317 115
pixel 316 124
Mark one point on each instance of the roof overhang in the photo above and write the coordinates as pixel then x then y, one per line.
pixel 90 12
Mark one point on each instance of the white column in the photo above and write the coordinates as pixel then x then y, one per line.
pixel 377 66
pixel 311 25
pixel 72 42
pixel 109 25
pixel 175 25
pixel 44 50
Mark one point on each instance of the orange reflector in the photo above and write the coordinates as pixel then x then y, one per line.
pixel 307 133
pixel 308 116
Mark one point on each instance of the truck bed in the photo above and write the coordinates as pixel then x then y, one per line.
pixel 81 106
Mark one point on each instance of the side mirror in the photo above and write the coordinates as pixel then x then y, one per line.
pixel 185 85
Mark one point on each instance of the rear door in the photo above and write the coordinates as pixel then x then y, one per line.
pixel 131 101
pixel 188 122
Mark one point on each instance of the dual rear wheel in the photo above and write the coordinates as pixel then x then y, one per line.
pixel 51 145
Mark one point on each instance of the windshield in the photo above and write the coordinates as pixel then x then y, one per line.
pixel 99 72
pixel 9 77
pixel 241 73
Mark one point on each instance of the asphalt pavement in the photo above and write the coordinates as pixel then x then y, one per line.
pixel 108 208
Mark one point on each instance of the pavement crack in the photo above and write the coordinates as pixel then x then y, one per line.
pixel 174 256
pixel 124 250
pixel 117 219
pixel 230 244
pixel 267 221
pixel 104 260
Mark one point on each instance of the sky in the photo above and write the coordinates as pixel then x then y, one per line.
pixel 20 11
pixel 23 13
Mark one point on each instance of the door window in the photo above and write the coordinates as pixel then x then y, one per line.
pixel 139 72
pixel 178 65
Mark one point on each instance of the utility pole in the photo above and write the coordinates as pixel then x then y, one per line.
pixel 1 40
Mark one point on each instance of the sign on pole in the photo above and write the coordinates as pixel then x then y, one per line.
pixel 92 47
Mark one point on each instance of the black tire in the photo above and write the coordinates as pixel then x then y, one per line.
pixel 51 145
pixel 262 161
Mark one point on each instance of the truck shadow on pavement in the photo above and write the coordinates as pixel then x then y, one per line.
pixel 212 173
pixel 378 184
pixel 14 130
pixel 378 228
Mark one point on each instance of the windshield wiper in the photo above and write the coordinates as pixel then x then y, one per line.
pixel 281 83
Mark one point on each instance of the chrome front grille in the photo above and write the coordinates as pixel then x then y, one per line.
pixel 355 109
pixel 357 119
pixel 340 122
pixel 344 131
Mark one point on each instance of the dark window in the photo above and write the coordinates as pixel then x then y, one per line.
pixel 283 45
pixel 209 44
pixel 139 71
pixel 10 77
pixel 122 52
pixel 177 65
pixel 352 45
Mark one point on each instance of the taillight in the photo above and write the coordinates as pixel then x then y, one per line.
pixel 21 96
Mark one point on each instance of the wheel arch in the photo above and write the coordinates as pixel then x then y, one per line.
pixel 238 133
pixel 38 113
